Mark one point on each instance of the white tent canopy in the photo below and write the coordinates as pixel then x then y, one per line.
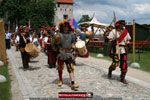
pixel 98 28
pixel 95 23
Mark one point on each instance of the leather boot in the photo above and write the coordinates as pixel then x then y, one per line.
pixel 109 73
pixel 60 83
pixel 122 76
pixel 73 86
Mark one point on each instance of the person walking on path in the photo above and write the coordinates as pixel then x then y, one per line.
pixel 50 52
pixel 24 39
pixel 65 39
pixel 7 38
pixel 119 37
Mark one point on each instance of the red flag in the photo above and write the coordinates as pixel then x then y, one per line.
pixel 29 24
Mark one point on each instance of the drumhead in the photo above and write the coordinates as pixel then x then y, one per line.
pixel 80 44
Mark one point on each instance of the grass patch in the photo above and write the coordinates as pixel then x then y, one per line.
pixel 5 93
pixel 143 59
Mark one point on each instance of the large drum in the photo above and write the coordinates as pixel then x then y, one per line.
pixel 32 50
pixel 81 48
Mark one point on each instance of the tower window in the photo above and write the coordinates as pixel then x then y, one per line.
pixel 65 16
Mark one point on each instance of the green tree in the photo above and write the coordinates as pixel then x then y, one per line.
pixel 20 11
pixel 85 18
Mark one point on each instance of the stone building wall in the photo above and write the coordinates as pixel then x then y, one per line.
pixel 61 11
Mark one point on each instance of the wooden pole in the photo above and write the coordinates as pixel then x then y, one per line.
pixel 92 27
pixel 0 2
pixel 133 40
pixel 2 43
pixel 119 51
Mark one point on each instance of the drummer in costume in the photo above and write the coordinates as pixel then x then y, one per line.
pixel 24 39
pixel 119 37
pixel 82 35
pixel 65 39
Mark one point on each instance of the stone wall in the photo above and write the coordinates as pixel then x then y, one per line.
pixel 61 10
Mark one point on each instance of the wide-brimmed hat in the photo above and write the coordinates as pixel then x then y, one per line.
pixel 120 22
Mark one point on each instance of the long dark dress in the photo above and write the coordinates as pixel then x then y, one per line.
pixel 51 55
pixel 25 56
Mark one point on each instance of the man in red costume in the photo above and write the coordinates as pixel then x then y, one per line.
pixel 119 37
pixel 65 41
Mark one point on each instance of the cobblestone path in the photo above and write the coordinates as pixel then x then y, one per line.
pixel 41 81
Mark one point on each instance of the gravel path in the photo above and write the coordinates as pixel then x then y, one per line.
pixel 40 81
pixel 138 74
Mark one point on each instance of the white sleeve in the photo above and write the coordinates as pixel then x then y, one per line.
pixel 35 40
pixel 17 38
pixel 30 38
pixel 45 39
pixel 128 36
pixel 41 37
pixel 111 35
pixel 10 34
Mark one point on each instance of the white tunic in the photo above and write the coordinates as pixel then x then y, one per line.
pixel 45 39
pixel 17 39
pixel 7 35
pixel 114 35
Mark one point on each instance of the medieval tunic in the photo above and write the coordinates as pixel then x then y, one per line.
pixel 123 53
pixel 66 42
pixel 65 54
pixel 114 35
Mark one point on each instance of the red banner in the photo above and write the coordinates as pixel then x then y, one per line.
pixel 75 95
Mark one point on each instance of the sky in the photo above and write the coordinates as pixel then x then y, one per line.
pixel 124 9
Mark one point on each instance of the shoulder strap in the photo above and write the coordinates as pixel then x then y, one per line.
pixel 122 36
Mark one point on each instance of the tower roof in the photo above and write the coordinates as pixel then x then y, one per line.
pixel 65 1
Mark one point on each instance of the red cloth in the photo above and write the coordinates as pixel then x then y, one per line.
pixel 51 58
pixel 41 43
pixel 51 55
pixel 60 75
pixel 122 36
pixel 60 62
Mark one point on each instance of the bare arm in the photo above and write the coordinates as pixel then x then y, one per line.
pixel 23 37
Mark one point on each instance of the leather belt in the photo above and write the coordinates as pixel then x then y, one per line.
pixel 65 50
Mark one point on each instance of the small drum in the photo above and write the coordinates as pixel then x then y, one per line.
pixel 81 48
pixel 32 50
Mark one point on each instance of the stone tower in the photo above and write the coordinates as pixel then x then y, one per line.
pixel 64 10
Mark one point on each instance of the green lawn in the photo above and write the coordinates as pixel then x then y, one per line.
pixel 143 59
pixel 5 87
